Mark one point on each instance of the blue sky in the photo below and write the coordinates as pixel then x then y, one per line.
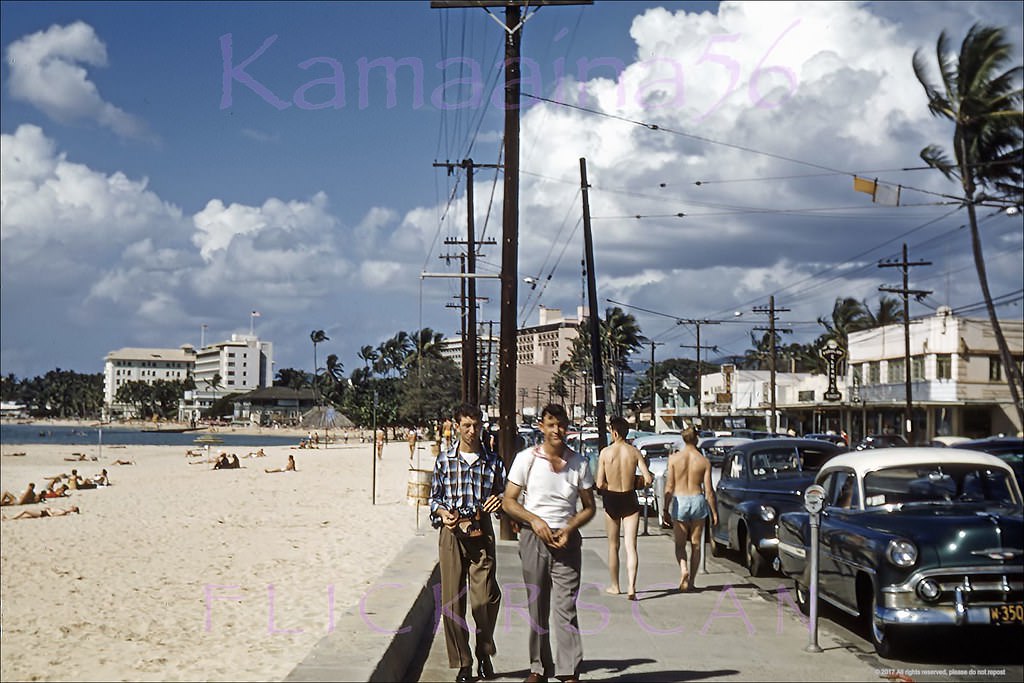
pixel 141 202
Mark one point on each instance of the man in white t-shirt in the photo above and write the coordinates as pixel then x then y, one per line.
pixel 555 480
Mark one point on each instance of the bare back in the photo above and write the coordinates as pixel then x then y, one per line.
pixel 616 467
pixel 689 473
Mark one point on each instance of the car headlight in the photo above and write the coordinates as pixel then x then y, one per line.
pixel 901 552
pixel 767 513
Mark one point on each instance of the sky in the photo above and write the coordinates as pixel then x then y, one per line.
pixel 170 166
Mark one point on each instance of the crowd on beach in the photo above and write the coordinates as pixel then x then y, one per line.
pixel 59 486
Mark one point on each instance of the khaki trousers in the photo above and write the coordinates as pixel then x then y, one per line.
pixel 467 568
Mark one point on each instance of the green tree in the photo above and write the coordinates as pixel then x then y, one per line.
pixel 317 337
pixel 980 95
pixel 426 401
pixel 293 379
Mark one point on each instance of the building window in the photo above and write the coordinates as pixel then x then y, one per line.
pixel 943 366
pixel 874 372
pixel 897 371
pixel 803 396
pixel 995 369
pixel 917 367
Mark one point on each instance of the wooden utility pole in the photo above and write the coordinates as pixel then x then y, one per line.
pixel 697 324
pixel 595 319
pixel 905 292
pixel 470 365
pixel 654 393
pixel 771 310
pixel 513 26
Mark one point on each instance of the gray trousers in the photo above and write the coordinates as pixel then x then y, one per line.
pixel 552 579
pixel 467 566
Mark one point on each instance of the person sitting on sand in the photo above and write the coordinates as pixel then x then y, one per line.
pixel 46 512
pixel 123 462
pixel 26 498
pixel 233 463
pixel 290 467
pixel 74 481
pixel 222 462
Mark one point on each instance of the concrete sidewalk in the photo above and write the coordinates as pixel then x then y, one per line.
pixel 729 630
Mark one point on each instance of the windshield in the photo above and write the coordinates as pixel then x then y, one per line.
pixel 957 482
pixel 775 463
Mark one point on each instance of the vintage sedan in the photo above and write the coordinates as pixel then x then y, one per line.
pixel 913 537
pixel 759 481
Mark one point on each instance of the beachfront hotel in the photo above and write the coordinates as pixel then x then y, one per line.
pixel 240 364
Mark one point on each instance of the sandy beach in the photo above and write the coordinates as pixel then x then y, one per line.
pixel 178 572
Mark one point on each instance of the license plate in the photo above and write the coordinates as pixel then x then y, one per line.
pixel 1006 614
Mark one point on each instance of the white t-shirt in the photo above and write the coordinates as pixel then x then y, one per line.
pixel 550 495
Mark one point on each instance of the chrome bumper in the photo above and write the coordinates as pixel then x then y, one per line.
pixel 766 544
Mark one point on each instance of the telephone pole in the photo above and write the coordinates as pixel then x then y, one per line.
pixel 771 310
pixel 595 320
pixel 654 394
pixel 697 324
pixel 470 366
pixel 904 264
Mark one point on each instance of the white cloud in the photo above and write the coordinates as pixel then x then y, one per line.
pixel 46 72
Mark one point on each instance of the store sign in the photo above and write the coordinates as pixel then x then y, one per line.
pixel 832 355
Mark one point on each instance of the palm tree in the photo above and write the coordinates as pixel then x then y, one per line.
pixel 335 375
pixel 889 311
pixel 621 336
pixel 368 355
pixel 982 97
pixel 317 337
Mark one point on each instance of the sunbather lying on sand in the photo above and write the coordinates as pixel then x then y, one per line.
pixel 45 512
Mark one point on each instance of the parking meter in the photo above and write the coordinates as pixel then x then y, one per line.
pixel 814 497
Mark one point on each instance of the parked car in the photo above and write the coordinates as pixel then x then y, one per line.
pixel 880 441
pixel 1009 449
pixel 655 450
pixel 944 441
pixel 715 449
pixel 759 481
pixel 913 538
pixel 837 439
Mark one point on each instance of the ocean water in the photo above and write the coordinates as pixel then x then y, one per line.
pixel 90 436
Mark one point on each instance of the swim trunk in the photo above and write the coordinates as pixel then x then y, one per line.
pixel 690 508
pixel 619 504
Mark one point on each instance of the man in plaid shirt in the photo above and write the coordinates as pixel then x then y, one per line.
pixel 467 486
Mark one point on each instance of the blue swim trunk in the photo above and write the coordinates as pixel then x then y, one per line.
pixel 689 508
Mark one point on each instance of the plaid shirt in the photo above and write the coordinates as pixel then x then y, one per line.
pixel 463 488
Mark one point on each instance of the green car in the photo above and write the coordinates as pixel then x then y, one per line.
pixel 912 538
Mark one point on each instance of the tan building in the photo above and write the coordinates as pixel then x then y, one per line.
pixel 142 365
pixel 540 349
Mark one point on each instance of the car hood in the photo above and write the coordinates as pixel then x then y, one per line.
pixel 958 533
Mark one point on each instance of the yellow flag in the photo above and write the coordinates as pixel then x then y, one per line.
pixel 864 185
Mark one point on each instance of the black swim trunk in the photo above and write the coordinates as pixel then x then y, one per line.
pixel 619 504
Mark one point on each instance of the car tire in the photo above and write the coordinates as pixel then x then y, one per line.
pixel 884 638
pixel 757 563
pixel 802 598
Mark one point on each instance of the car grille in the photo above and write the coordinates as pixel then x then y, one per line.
pixel 978 586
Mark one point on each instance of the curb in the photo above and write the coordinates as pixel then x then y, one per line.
pixel 365 644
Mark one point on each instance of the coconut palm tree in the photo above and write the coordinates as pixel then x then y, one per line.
pixel 368 355
pixel 980 94
pixel 317 337
pixel 621 336
pixel 889 312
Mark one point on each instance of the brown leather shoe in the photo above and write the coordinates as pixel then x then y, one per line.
pixel 535 678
